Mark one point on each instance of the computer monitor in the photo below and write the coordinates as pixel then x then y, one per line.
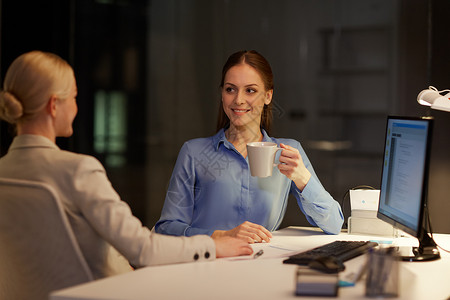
pixel 404 181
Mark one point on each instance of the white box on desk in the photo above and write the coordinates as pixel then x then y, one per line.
pixel 363 220
pixel 370 226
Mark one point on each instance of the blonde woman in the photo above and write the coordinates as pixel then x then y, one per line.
pixel 39 97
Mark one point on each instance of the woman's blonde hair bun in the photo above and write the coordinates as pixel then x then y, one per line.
pixel 10 108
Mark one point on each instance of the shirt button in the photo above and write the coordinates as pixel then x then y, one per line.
pixel 207 255
pixel 196 256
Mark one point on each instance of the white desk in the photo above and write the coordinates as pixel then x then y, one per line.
pixel 262 278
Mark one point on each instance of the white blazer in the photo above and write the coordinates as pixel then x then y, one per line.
pixel 103 224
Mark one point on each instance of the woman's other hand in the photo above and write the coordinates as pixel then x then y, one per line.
pixel 291 165
pixel 247 231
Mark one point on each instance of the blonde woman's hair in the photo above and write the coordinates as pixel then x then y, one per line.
pixel 30 81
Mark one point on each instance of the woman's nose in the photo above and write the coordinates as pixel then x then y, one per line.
pixel 239 99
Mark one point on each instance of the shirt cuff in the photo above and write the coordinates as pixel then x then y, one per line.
pixel 310 193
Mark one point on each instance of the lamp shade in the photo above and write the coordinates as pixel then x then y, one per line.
pixel 432 97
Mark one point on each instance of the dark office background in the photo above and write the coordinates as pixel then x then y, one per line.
pixel 148 73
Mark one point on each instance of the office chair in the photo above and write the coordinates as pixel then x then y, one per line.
pixel 38 250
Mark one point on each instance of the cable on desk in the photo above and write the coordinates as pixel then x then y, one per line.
pixel 431 230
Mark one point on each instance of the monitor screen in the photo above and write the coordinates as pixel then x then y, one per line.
pixel 405 172
pixel 404 182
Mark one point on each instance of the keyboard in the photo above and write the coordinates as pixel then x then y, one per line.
pixel 342 250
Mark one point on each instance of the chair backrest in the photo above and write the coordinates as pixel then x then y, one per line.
pixel 38 250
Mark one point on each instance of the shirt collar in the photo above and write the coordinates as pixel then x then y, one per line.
pixel 31 140
pixel 220 138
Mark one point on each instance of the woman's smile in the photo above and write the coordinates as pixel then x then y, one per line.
pixel 240 111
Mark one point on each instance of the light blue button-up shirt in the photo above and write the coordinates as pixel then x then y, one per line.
pixel 211 189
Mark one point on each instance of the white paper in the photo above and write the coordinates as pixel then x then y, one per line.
pixel 364 199
pixel 271 250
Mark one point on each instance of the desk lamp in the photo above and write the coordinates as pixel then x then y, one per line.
pixel 432 97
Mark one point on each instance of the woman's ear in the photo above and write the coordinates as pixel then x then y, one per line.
pixel 51 106
pixel 268 99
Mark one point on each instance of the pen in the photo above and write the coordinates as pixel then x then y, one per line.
pixel 258 254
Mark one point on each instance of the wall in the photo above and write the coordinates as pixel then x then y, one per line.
pixel 179 47
pixel 190 40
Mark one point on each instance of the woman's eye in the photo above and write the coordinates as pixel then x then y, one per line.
pixel 229 89
pixel 251 91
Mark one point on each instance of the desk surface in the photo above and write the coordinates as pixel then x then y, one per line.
pixel 263 278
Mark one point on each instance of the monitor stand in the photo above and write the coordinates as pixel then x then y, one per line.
pixel 426 251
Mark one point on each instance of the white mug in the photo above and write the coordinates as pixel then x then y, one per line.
pixel 261 158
